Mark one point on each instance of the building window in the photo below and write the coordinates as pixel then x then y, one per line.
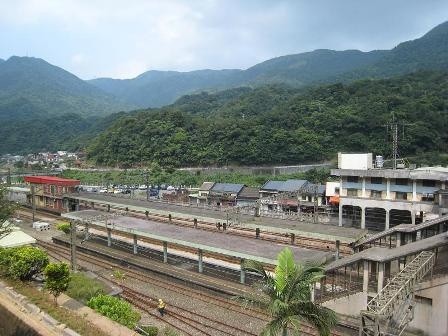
pixel 336 191
pixel 428 197
pixel 401 195
pixel 353 179
pixel 375 194
pixel 352 192
pixel 429 183
pixel 401 181
pixel 423 300
pixel 376 180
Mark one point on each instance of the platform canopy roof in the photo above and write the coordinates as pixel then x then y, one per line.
pixel 16 238
pixel 53 180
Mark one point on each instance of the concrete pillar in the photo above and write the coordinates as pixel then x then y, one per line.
pixel 338 243
pixel 86 232
pixel 109 237
pixel 77 206
pixel 340 213
pixel 200 263
pixel 108 208
pixel 195 223
pixel 135 244
pixel 293 238
pixel 92 205
pixel 257 233
pixel 363 217
pixel 363 183
pixel 398 239
pixel 165 252
pixel 243 272
pixel 418 235
pixel 380 276
pixel 414 190
pixel 365 278
pixel 388 188
pixel 413 217
pixel 387 224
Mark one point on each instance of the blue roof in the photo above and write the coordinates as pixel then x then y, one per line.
pixel 320 188
pixel 227 187
pixel 284 186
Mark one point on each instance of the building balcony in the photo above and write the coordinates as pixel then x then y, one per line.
pixel 401 188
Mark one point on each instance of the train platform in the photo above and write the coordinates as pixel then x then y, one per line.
pixel 194 278
pixel 326 232
pixel 214 242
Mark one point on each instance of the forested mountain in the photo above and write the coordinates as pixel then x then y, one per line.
pixel 31 88
pixel 280 124
pixel 63 132
pixel 158 88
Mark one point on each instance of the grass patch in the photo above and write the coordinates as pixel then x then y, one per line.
pixel 82 288
pixel 45 302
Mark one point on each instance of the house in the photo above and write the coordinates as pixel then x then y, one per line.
pixel 280 195
pixel 248 196
pixel 201 196
pixel 311 196
pixel 224 194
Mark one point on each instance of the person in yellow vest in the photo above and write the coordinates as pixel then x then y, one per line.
pixel 161 307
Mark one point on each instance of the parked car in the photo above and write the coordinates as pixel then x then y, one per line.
pixel 103 190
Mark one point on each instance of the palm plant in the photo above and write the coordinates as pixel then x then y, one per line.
pixel 286 296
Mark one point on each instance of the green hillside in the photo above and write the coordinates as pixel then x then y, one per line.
pixel 281 125
pixel 31 88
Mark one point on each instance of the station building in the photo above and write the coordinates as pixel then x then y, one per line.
pixel 378 199
pixel 48 191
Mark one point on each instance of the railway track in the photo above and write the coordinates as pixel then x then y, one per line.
pixel 178 317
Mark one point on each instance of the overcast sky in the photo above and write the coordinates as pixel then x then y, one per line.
pixel 121 39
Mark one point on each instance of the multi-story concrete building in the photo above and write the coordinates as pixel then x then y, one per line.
pixel 378 199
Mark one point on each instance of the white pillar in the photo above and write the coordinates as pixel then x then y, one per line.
pixel 109 237
pixel 387 219
pixel 380 276
pixel 363 217
pixel 313 292
pixel 365 278
pixel 398 239
pixel 340 213
pixel 200 263
pixel 243 272
pixel 363 194
pixel 414 190
pixel 338 243
pixel 86 233
pixel 388 188
pixel 413 217
pixel 135 244
pixel 165 252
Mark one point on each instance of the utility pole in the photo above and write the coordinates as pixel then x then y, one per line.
pixel 33 202
pixel 147 184
pixel 73 245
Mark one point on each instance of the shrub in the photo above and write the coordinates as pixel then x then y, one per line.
pixel 115 309
pixel 150 330
pixel 57 278
pixel 83 288
pixel 64 227
pixel 24 262
pixel 167 331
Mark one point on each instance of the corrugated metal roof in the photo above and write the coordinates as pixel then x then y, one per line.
pixel 51 180
pixel 206 186
pixel 227 187
pixel 284 186
pixel 249 192
pixel 320 188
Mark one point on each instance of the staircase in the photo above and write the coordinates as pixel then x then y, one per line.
pixel 390 311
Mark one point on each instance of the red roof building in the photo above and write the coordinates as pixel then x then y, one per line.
pixel 48 191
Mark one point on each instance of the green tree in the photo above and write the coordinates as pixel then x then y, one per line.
pixel 25 262
pixel 115 309
pixel 286 296
pixel 7 209
pixel 57 279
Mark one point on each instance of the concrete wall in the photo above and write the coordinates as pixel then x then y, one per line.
pixel 348 305
pixel 431 309
pixel 355 161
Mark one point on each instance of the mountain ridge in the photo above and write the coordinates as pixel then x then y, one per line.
pixel 427 52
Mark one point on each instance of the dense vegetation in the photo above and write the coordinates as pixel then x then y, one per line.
pixel 66 132
pixel 157 176
pixel 277 124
